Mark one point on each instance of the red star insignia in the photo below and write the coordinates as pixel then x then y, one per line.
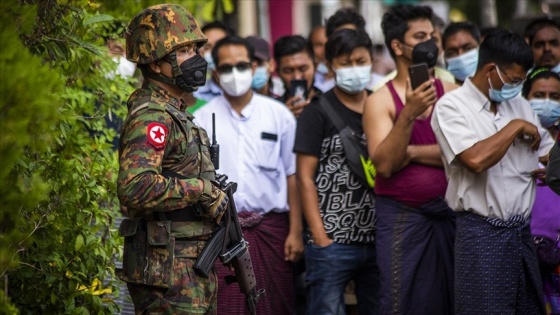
pixel 156 134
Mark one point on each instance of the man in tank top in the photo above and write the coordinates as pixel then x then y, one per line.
pixel 415 227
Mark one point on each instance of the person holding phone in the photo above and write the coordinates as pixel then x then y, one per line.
pixel 415 228
pixel 491 143
pixel 294 58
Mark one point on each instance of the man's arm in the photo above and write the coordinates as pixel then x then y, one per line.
pixel 305 174
pixel 429 154
pixel 457 138
pixel 425 154
pixel 388 141
pixel 140 182
pixel 293 247
pixel 486 153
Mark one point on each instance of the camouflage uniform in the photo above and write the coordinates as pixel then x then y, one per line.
pixel 167 226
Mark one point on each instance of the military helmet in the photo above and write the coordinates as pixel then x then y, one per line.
pixel 158 30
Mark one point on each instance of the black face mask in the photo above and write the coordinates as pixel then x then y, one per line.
pixel 191 74
pixel 188 76
pixel 425 52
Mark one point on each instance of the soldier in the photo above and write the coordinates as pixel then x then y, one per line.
pixel 165 169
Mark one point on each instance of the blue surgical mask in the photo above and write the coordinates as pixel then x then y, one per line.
pixel 507 92
pixel 547 110
pixel 463 66
pixel 322 68
pixel 208 57
pixel 353 80
pixel 556 68
pixel 260 77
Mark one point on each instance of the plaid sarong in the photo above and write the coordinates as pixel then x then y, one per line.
pixel 266 236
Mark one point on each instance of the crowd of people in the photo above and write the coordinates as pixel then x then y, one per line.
pixel 462 216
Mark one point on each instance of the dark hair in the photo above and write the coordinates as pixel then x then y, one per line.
pixel 395 21
pixel 218 25
pixel 457 27
pixel 505 48
pixel 291 45
pixel 487 30
pixel 344 16
pixel 437 21
pixel 235 41
pixel 344 41
pixel 536 25
pixel 536 74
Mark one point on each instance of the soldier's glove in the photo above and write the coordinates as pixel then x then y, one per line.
pixel 213 201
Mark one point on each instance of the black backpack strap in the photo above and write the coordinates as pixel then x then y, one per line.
pixel 333 116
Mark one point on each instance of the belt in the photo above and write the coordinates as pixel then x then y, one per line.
pixel 181 215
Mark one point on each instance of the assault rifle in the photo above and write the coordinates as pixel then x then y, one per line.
pixel 227 241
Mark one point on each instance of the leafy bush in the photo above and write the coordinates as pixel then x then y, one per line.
pixel 58 172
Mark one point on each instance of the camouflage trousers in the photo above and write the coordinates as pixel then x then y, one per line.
pixel 189 293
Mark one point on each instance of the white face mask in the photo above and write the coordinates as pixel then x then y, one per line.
pixel 237 82
pixel 125 68
pixel 353 80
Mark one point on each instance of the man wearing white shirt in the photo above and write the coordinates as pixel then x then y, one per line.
pixel 256 137
pixel 491 142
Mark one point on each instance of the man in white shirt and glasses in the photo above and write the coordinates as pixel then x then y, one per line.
pixel 491 142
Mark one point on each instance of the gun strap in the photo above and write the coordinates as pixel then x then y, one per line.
pixel 228 228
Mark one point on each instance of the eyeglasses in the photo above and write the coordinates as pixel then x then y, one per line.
pixel 227 68
pixel 513 82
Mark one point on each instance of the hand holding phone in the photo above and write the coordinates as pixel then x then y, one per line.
pixel 420 92
pixel 298 88
pixel 418 74
pixel 297 96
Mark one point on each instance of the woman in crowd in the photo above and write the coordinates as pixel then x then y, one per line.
pixel 542 90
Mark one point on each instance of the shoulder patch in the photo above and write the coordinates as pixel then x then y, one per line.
pixel 156 134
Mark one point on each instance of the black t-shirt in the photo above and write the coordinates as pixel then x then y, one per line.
pixel 347 207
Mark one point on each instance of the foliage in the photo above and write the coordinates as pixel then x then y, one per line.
pixel 59 114
pixel 203 10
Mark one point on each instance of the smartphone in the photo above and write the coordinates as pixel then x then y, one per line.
pixel 418 74
pixel 299 88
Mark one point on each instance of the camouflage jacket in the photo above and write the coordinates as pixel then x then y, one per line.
pixel 153 140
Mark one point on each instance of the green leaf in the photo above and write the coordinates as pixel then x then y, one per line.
pixel 97 19
pixel 228 6
pixel 79 242
pixel 208 10
pixel 93 49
